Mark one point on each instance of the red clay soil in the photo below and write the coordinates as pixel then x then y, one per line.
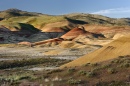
pixel 53 29
pixel 74 33
pixel 106 29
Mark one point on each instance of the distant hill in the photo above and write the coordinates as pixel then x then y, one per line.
pixel 59 22
pixel 32 22
pixel 16 12
pixel 98 19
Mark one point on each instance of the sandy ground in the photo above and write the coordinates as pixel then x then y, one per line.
pixel 7 53
pixel 17 53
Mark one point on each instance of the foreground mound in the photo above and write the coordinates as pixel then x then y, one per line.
pixel 112 50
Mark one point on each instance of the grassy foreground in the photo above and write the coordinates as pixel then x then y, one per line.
pixel 110 73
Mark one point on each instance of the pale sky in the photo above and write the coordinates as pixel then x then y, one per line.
pixel 110 8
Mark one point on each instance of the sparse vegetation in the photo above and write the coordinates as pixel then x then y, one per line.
pixel 94 64
pixel 27 62
pixel 82 72
pixel 81 75
pixel 111 70
pixel 113 83
pixel 106 66
pixel 88 73
pixel 54 71
pixel 71 70
pixel 91 74
pixel 74 82
pixel 87 64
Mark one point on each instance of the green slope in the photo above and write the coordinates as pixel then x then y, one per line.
pixel 12 18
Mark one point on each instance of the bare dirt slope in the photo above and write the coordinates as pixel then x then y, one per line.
pixel 108 31
pixel 77 31
pixel 112 50
pixel 55 27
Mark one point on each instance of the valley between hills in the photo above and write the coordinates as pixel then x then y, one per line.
pixel 63 50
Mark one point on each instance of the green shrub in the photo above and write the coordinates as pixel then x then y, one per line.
pixel 24 77
pixel 116 61
pixel 113 83
pixel 74 82
pixel 25 62
pixel 16 77
pixel 70 70
pixel 82 72
pixel 87 64
pixel 125 65
pixel 97 68
pixel 106 66
pixel 121 56
pixel 111 71
pixel 90 74
pixel 94 64
pixel 54 71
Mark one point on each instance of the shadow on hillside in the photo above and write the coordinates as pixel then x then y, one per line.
pixel 33 34
pixel 98 35
pixel 76 21
pixel 28 27
pixel 26 32
pixel 1 19
pixel 45 36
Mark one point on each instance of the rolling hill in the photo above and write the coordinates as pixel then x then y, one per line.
pixel 31 24
pixel 64 22
pixel 112 50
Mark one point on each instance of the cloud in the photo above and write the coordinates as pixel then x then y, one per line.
pixel 113 11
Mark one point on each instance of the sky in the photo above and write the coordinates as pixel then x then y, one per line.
pixel 110 8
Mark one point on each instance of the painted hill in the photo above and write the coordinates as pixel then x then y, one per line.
pixel 74 33
pixel 112 50
pixel 107 31
pixel 95 26
pixel 80 31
